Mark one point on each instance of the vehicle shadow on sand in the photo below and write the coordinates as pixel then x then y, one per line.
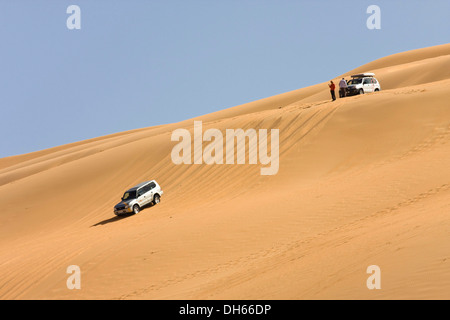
pixel 113 219
pixel 121 217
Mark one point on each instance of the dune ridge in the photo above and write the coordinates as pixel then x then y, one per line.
pixel 363 180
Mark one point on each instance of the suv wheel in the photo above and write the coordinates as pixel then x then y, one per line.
pixel 376 90
pixel 156 199
pixel 136 209
pixel 361 91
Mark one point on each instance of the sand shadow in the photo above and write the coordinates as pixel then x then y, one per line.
pixel 113 219
pixel 122 216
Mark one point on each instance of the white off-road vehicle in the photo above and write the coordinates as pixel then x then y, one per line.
pixel 135 198
pixel 362 83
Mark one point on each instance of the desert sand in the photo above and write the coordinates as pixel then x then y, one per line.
pixel 362 181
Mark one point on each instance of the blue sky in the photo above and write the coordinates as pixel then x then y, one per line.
pixel 140 63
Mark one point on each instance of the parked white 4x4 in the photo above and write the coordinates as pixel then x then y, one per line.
pixel 362 83
pixel 139 196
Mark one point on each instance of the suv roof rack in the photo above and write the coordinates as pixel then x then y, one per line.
pixel 140 185
pixel 362 75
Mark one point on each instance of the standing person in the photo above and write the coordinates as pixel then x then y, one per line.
pixel 332 88
pixel 342 88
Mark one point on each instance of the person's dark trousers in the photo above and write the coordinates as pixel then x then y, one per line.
pixel 342 93
pixel 333 96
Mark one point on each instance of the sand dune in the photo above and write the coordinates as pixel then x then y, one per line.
pixel 362 181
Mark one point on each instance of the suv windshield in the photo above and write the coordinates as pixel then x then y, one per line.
pixel 355 81
pixel 129 195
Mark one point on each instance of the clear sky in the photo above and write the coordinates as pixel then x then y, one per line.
pixel 140 63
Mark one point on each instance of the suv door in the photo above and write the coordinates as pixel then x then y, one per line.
pixel 146 194
pixel 367 85
pixel 151 187
pixel 376 85
pixel 140 197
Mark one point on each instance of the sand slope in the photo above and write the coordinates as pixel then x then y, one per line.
pixel 364 180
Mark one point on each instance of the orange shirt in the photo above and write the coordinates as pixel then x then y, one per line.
pixel 332 86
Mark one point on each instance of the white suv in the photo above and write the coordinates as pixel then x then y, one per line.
pixel 139 196
pixel 362 83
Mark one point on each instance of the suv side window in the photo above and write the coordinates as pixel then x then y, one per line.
pixel 152 185
pixel 140 192
pixel 367 81
pixel 146 189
